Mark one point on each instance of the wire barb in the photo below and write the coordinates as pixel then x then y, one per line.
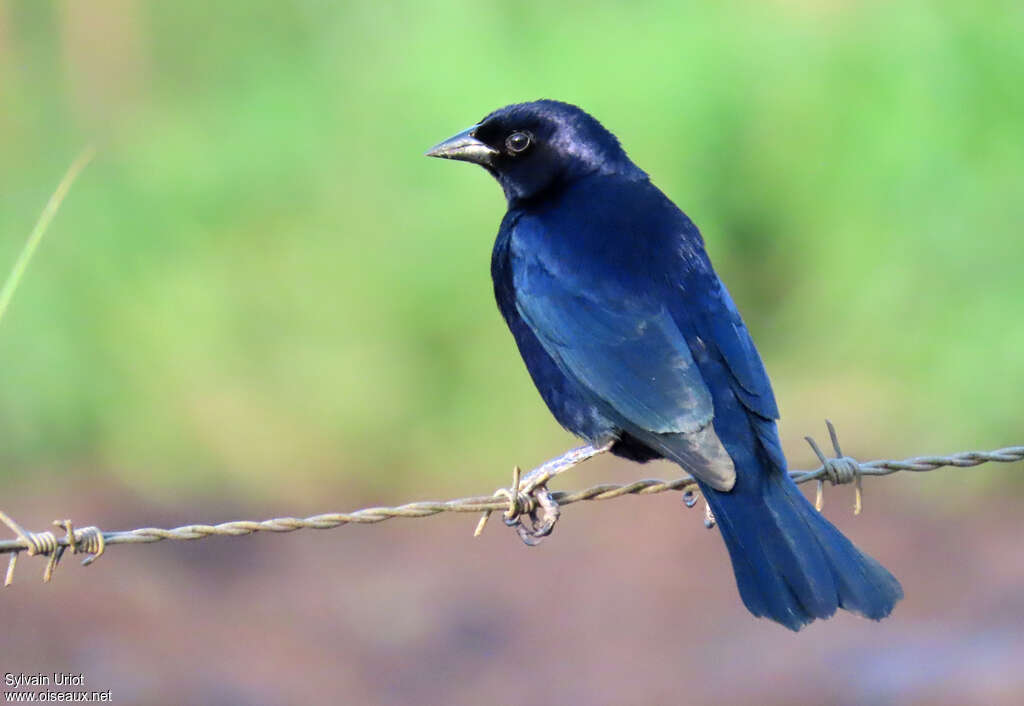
pixel 838 470
pixel 92 541
pixel 512 495
pixel 88 540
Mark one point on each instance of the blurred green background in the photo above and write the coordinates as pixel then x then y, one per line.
pixel 261 299
pixel 261 285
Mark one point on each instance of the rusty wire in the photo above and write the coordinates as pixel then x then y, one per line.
pixel 528 494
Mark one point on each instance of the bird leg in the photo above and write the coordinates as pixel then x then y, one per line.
pixel 529 495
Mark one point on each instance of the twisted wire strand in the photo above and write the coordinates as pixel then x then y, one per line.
pixel 92 541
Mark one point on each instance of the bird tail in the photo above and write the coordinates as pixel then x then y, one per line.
pixel 791 564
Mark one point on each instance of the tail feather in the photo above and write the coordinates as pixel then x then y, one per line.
pixel 791 564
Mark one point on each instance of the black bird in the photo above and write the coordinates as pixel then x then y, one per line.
pixel 632 339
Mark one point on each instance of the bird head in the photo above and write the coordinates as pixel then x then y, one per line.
pixel 535 148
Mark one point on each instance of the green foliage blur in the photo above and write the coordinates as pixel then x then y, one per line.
pixel 261 285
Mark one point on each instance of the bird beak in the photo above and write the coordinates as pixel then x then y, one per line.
pixel 464 147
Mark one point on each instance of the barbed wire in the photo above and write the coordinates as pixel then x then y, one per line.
pixel 528 497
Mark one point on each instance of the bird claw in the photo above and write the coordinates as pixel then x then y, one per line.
pixel 543 515
pixel 690 498
pixel 709 517
pixel 537 504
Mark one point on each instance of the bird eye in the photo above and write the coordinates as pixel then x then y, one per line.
pixel 517 142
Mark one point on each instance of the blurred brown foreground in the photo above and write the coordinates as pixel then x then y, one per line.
pixel 630 602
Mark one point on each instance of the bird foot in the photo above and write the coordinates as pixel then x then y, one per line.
pixel 533 512
pixel 543 515
pixel 690 498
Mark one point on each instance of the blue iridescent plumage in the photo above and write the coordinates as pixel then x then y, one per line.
pixel 631 338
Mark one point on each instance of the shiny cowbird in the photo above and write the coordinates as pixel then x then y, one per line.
pixel 632 340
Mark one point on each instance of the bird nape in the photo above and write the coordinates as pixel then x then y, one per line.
pixel 632 339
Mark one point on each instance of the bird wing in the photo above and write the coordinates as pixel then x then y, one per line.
pixel 720 324
pixel 626 351
pixel 705 308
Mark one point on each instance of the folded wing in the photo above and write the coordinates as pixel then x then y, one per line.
pixel 628 353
